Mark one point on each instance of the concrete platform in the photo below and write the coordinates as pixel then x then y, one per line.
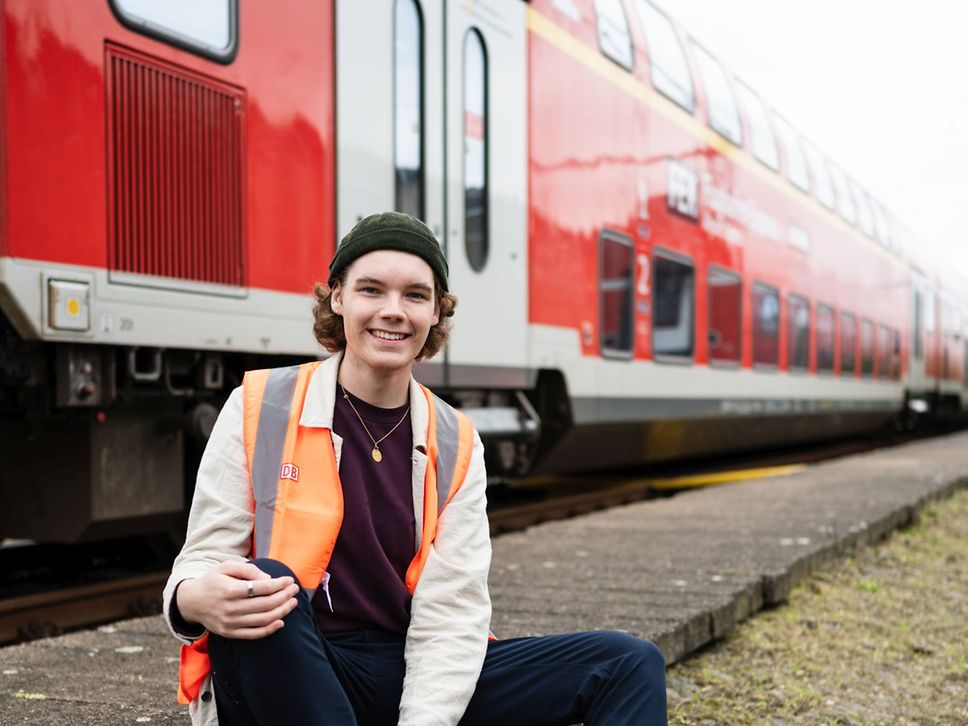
pixel 680 571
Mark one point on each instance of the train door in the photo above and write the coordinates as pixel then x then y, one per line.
pixel 431 120
pixel 951 361
pixel 485 152
pixel 922 316
pixel 389 117
pixel 964 366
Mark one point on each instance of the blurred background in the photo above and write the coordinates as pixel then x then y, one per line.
pixel 879 86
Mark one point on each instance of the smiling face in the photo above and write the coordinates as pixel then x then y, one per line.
pixel 388 307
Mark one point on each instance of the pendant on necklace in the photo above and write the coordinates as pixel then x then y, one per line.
pixel 377 456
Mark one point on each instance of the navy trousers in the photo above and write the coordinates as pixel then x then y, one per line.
pixel 299 676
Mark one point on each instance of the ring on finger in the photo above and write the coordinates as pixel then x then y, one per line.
pixel 250 589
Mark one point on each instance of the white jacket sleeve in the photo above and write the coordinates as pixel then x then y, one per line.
pixel 220 521
pixel 451 610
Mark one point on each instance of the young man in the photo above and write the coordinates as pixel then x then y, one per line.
pixel 335 567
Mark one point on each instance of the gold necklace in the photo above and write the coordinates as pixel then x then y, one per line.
pixel 377 456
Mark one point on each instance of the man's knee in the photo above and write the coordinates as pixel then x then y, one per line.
pixel 651 656
pixel 273 568
pixel 644 652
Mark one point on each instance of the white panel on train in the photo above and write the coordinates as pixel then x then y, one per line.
pixel 367 38
pixel 364 111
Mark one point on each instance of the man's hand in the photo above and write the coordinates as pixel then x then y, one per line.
pixel 220 600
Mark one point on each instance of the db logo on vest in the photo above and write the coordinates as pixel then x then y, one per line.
pixel 289 471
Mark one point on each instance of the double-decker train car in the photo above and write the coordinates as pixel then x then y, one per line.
pixel 651 263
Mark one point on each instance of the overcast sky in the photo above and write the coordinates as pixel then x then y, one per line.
pixel 880 86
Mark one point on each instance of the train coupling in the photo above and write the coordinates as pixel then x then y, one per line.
pixel 510 432
pixel 918 405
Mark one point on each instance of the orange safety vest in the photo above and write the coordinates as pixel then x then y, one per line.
pixel 297 499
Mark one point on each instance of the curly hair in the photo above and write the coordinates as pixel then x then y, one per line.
pixel 328 326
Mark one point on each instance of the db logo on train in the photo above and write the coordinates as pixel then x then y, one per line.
pixel 289 471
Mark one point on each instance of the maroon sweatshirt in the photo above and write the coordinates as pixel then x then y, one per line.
pixel 366 587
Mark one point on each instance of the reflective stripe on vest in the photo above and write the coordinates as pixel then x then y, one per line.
pixel 297 500
pixel 298 511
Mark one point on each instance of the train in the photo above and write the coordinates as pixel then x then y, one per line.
pixel 651 263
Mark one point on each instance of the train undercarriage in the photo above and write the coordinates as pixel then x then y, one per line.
pixel 103 442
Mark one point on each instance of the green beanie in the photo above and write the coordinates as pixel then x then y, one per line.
pixel 389 231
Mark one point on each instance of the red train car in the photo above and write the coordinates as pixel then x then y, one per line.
pixel 736 287
pixel 167 202
pixel 652 264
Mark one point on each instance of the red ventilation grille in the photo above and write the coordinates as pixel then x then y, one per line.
pixel 175 170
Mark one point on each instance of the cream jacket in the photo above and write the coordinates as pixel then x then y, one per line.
pixel 451 610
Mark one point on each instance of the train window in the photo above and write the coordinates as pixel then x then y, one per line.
pixel 762 142
pixel 826 335
pixel 865 218
pixel 669 68
pixel 408 147
pixel 798 333
pixel 725 320
pixel 882 230
pixel 848 344
pixel 673 305
pixel 209 28
pixel 823 188
pixel 475 150
pixel 866 348
pixel 720 103
pixel 613 32
pixel 616 270
pixel 885 351
pixel 766 325
pixel 845 204
pixel 795 164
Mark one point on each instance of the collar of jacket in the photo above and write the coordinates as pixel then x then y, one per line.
pixel 321 399
pixel 318 413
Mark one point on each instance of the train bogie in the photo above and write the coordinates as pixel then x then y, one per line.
pixel 95 476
